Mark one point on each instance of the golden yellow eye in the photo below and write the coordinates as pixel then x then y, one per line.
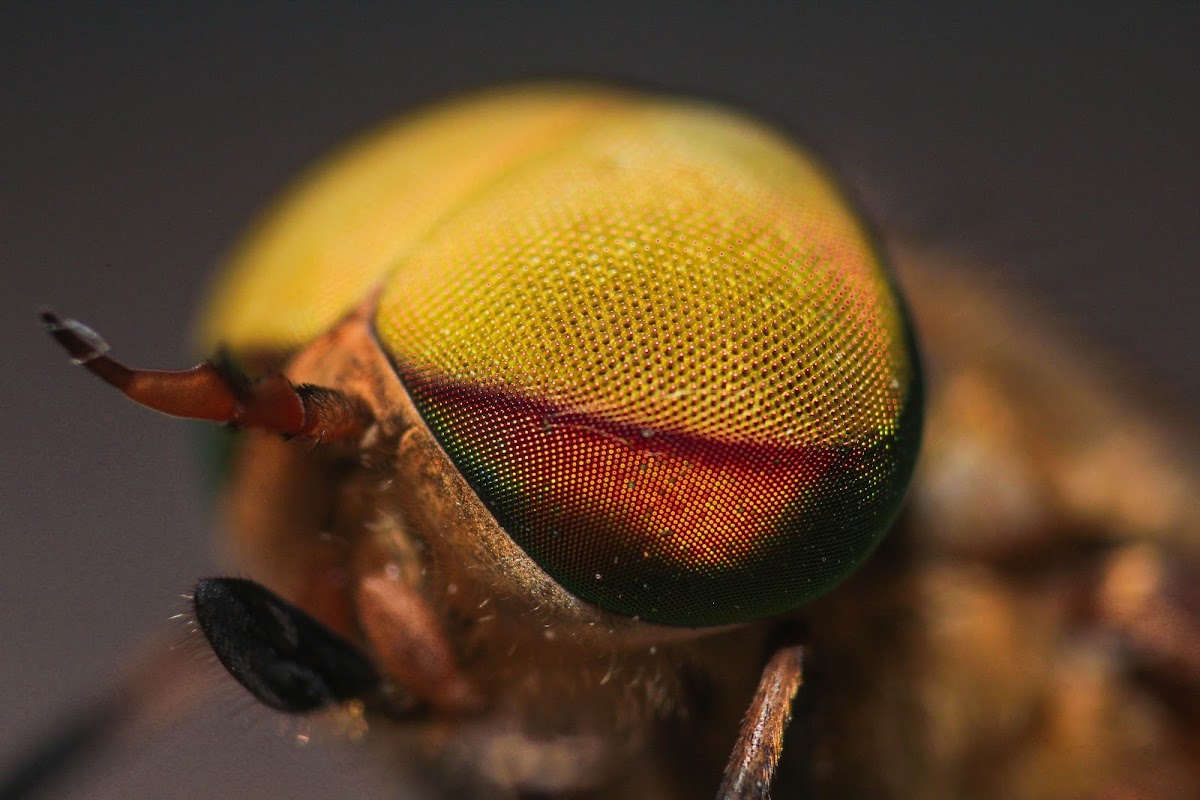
pixel 650 333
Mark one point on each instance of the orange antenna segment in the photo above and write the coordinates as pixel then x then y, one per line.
pixel 211 392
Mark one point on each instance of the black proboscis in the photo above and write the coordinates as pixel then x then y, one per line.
pixel 280 654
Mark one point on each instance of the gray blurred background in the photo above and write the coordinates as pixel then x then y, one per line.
pixel 1059 144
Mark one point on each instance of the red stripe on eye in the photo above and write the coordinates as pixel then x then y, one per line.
pixel 583 490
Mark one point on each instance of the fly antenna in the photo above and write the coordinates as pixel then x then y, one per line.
pixel 217 391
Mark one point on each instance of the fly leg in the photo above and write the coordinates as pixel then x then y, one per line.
pixel 756 753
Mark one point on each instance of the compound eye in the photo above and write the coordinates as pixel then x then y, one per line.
pixel 669 361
